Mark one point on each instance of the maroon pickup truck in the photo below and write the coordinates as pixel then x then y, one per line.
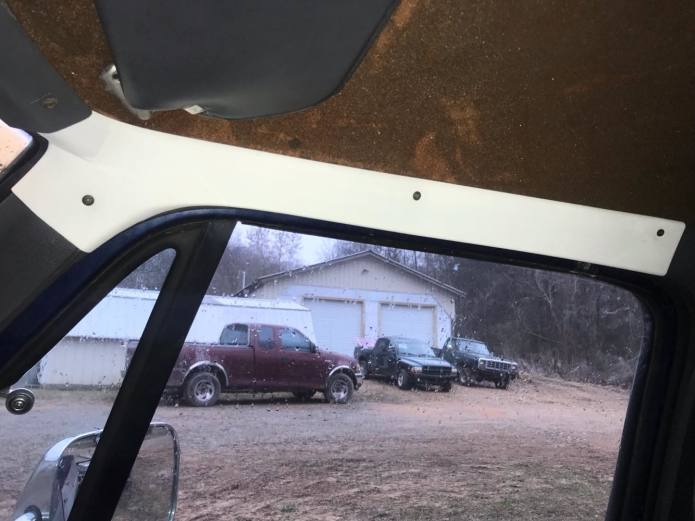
pixel 260 358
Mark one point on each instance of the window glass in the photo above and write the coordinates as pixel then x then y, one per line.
pixel 291 339
pixel 474 347
pixel 235 335
pixel 76 382
pixel 525 425
pixel 412 346
pixel 265 337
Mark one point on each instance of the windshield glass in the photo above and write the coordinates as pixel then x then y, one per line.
pixel 476 347
pixel 410 346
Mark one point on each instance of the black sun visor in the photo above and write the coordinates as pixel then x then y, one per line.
pixel 238 58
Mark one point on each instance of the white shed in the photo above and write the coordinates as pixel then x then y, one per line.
pixel 93 352
pixel 357 298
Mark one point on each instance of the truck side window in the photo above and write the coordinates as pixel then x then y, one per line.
pixel 293 340
pixel 235 335
pixel 265 337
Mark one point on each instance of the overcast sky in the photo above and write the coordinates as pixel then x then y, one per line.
pixel 314 248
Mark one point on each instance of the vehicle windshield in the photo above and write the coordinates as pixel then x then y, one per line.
pixel 476 347
pixel 410 346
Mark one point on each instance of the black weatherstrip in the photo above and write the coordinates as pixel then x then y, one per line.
pixel 149 370
pixel 33 96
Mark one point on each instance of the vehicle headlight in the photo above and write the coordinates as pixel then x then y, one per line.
pixel 454 370
pixel 515 367
pixel 481 363
pixel 416 369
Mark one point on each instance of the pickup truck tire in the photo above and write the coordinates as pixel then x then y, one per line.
pixel 465 376
pixel 202 389
pixel 446 387
pixel 403 380
pixel 339 388
pixel 502 383
pixel 364 367
pixel 304 395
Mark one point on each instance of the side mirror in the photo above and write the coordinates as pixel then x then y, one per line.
pixel 149 495
pixel 313 348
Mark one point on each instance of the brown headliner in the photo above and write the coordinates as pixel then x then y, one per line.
pixel 586 102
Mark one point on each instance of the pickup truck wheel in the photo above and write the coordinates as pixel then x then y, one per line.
pixel 446 387
pixel 403 380
pixel 339 388
pixel 364 367
pixel 465 376
pixel 502 383
pixel 202 390
pixel 304 395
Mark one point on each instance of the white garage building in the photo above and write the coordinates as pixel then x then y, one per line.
pixel 358 298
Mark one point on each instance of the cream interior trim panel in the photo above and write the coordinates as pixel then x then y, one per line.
pixel 134 174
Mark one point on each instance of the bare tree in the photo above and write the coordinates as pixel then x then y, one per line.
pixel 258 252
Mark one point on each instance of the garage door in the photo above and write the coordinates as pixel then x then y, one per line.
pixel 337 323
pixel 411 321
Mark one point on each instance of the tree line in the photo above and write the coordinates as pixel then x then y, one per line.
pixel 250 255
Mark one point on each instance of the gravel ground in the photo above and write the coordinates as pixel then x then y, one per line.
pixel 544 449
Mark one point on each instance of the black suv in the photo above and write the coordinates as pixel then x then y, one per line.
pixel 407 361
pixel 476 363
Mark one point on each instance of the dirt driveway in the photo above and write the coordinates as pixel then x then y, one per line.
pixel 544 449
